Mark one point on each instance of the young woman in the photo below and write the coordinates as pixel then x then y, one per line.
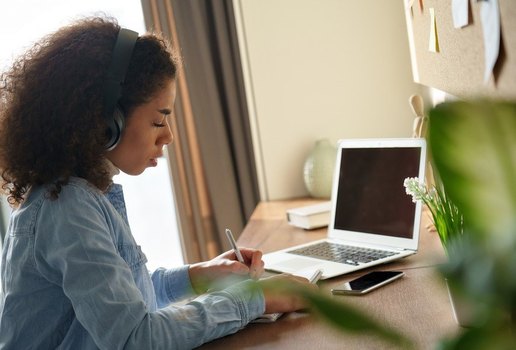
pixel 84 103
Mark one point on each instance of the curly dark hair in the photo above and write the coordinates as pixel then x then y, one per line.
pixel 51 104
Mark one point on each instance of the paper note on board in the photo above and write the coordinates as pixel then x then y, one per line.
pixel 433 42
pixel 460 13
pixel 490 16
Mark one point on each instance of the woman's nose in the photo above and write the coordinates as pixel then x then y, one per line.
pixel 167 136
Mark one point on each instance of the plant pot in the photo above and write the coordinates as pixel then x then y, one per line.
pixel 463 310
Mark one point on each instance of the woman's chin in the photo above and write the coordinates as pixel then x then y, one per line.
pixel 134 172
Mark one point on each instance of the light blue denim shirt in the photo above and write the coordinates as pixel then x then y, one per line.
pixel 74 278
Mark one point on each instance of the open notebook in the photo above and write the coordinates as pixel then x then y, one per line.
pixel 373 220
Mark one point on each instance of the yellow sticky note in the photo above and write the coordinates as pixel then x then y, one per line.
pixel 433 42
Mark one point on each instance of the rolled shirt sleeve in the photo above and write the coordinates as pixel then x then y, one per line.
pixel 172 285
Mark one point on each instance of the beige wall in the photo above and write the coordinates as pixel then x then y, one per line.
pixel 321 69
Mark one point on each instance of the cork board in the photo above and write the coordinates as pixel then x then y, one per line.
pixel 458 67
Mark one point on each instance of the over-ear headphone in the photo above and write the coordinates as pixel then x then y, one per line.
pixel 113 114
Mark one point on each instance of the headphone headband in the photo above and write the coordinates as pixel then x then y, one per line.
pixel 115 77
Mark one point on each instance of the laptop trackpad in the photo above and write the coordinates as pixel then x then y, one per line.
pixel 291 264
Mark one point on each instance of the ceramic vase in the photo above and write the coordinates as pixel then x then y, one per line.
pixel 318 169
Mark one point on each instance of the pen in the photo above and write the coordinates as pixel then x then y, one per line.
pixel 231 240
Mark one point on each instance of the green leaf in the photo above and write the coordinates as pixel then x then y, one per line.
pixel 473 145
pixel 481 339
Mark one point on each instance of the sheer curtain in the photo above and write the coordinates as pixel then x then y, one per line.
pixel 211 159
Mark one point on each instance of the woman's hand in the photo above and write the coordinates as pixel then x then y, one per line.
pixel 204 274
pixel 280 293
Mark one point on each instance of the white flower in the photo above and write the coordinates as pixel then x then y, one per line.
pixel 415 188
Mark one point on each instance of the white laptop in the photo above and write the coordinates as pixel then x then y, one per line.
pixel 373 220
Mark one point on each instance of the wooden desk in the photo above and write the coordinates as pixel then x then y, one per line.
pixel 417 305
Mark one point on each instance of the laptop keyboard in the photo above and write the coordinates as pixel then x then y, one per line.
pixel 341 253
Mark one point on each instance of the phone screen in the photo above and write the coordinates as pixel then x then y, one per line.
pixel 368 282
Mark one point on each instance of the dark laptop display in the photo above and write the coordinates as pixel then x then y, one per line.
pixel 371 197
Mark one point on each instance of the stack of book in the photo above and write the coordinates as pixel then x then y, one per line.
pixel 311 216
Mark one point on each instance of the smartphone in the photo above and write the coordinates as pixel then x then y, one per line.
pixel 368 282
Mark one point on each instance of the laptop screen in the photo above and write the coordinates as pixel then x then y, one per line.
pixel 371 197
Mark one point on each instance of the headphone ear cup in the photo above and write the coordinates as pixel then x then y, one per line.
pixel 115 129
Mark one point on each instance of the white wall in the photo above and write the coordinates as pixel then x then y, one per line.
pixel 321 69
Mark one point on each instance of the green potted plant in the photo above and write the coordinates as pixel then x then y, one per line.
pixel 473 145
pixel 449 224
